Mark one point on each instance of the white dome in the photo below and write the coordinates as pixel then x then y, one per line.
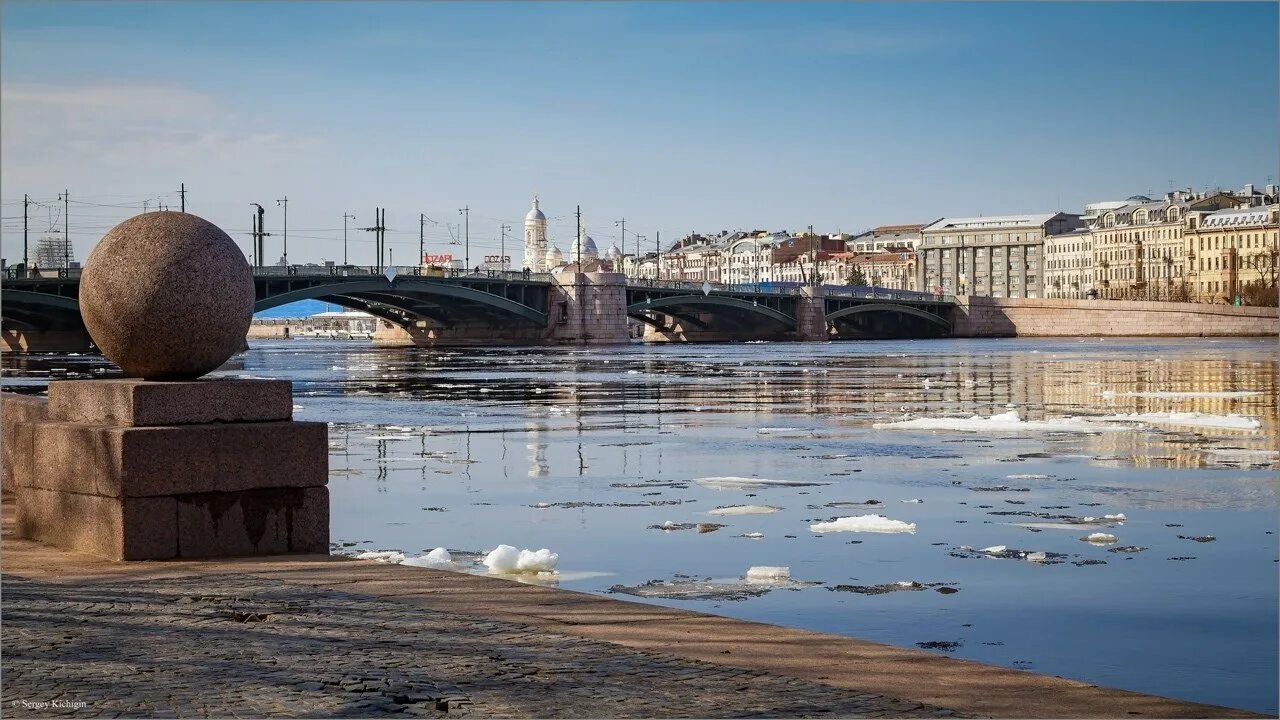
pixel 589 249
pixel 614 252
pixel 554 256
pixel 534 212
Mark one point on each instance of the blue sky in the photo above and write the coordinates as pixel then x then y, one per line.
pixel 677 116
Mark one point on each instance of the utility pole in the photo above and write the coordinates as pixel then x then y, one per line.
pixel 466 212
pixel 285 202
pixel 345 218
pixel 813 257
pixel 657 247
pixel 379 216
pixel 623 233
pixel 578 279
pixel 26 267
pixel 182 194
pixel 66 221
pixel 502 249
pixel 422 237
pixel 636 265
pixel 259 246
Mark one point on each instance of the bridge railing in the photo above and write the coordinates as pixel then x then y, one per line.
pixel 401 271
pixel 873 293
pixel 21 273
pixel 697 287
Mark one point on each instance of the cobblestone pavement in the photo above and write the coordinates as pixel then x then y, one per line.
pixel 254 647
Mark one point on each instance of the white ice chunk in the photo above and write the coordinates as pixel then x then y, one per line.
pixel 994 549
pixel 768 572
pixel 1036 557
pixel 1009 421
pixel 864 523
pixel 1233 421
pixel 508 560
pixel 913 500
pixel 1099 538
pixel 438 559
pixel 744 483
pixel 387 556
pixel 744 510
pixel 753 535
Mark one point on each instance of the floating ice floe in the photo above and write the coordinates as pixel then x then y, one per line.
pixel 1099 538
pixel 438 559
pixel 767 574
pixel 1179 394
pixel 1008 553
pixel 508 560
pixel 386 556
pixel 864 523
pixel 901 585
pixel 744 510
pixel 752 535
pixel 913 500
pixel 1009 421
pixel 743 483
pixel 1233 421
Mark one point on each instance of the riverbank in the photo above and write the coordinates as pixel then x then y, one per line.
pixel 321 634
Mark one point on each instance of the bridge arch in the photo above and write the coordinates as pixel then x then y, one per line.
pixel 387 289
pixel 890 307
pixel 713 301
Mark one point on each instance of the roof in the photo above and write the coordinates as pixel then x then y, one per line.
pixel 1238 216
pixel 899 228
pixel 1027 221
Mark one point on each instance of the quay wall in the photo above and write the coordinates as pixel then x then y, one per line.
pixel 1043 317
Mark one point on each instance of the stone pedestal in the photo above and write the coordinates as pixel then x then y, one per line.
pixel 132 470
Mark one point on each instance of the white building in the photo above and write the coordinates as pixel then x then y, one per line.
pixel 1068 264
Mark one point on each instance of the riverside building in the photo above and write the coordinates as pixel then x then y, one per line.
pixel 997 256
pixel 1229 250
pixel 1068 265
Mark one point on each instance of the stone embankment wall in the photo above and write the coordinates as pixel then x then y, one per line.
pixel 1042 317
pixel 275 329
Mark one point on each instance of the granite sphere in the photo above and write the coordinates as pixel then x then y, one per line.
pixel 167 296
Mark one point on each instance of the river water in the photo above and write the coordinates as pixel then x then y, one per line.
pixel 589 452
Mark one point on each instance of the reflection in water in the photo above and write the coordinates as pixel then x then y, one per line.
pixel 585 451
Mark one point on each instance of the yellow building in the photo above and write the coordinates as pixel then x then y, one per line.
pixel 1229 250
pixel 1138 249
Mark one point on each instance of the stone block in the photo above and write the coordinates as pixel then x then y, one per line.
pixel 15 409
pixel 253 522
pixel 133 402
pixel 174 460
pixel 114 528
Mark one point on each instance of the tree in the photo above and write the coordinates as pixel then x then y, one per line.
pixel 857 277
pixel 1264 262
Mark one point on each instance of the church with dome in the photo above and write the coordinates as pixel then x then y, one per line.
pixel 542 255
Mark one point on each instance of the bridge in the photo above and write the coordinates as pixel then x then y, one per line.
pixel 429 306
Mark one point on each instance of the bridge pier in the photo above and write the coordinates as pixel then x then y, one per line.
pixel 589 309
pixel 41 341
pixel 811 314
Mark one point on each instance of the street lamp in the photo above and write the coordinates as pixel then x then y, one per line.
pixel 345 218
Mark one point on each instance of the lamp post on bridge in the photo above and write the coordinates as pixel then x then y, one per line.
pixel 345 218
